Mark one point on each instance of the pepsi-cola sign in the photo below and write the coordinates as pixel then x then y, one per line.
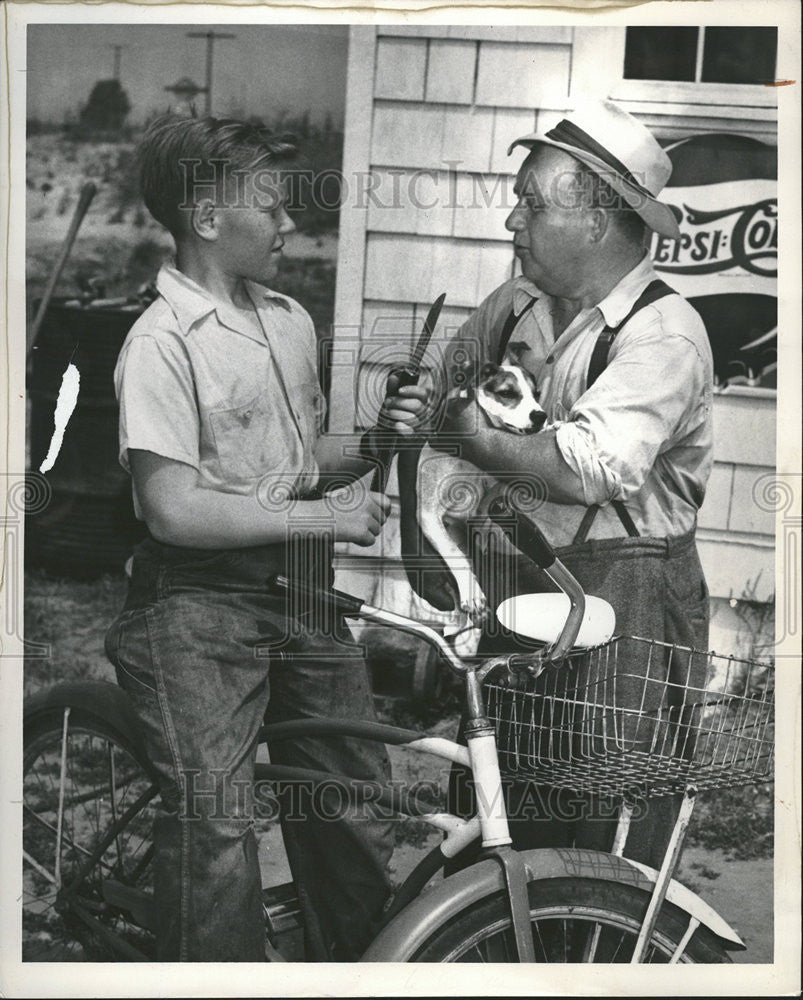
pixel 725 228
pixel 723 191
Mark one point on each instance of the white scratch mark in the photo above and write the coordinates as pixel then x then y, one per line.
pixel 65 404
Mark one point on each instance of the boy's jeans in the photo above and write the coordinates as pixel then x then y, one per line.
pixel 184 650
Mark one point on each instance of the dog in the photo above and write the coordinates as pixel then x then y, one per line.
pixel 441 493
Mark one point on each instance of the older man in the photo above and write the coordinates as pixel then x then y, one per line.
pixel 625 374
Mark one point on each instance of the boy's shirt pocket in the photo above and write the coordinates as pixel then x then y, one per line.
pixel 248 438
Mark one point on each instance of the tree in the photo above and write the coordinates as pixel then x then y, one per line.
pixel 107 107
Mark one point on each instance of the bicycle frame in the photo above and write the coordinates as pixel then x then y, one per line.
pixel 412 915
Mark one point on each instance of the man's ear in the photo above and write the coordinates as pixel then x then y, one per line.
pixel 597 224
pixel 204 220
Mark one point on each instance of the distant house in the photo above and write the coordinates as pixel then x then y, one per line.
pixel 430 113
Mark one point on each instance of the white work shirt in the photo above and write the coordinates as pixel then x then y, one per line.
pixel 203 383
pixel 642 433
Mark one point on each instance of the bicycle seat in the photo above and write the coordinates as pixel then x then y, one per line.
pixel 542 617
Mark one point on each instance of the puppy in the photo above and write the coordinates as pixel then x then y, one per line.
pixel 447 491
pixel 509 397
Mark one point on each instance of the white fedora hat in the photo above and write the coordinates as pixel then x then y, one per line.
pixel 622 151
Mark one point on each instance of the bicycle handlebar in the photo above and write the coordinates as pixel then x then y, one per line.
pixel 522 533
pixel 338 600
pixel 528 538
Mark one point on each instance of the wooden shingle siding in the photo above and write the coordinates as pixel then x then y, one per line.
pixel 509 124
pixel 738 566
pixel 451 71
pixel 401 65
pixel 482 203
pixel 412 201
pixel 403 268
pixel 432 135
pixel 744 429
pixel 715 510
pixel 468 138
pixel 509 75
pixel 385 320
pixel 749 510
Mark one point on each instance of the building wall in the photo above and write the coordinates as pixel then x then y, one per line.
pixel 430 113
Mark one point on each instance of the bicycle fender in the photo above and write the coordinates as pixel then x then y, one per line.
pixel 403 936
pixel 102 699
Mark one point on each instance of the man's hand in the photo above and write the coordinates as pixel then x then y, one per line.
pixel 405 408
pixel 498 452
pixel 355 520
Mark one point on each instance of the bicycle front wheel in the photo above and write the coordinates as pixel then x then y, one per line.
pixel 87 815
pixel 573 920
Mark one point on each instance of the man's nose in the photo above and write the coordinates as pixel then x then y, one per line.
pixel 513 221
pixel 286 226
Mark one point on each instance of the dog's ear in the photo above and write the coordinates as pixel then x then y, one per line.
pixel 487 370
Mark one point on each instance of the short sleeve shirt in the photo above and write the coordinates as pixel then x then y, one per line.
pixel 201 383
pixel 643 432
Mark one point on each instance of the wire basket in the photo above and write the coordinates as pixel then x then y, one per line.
pixel 635 718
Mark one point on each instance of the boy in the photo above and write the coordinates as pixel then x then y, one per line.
pixel 220 426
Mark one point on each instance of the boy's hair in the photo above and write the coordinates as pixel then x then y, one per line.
pixel 177 153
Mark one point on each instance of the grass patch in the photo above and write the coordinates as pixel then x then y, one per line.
pixel 738 821
pixel 70 618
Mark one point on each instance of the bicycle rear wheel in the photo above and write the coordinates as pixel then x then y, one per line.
pixel 87 815
pixel 573 920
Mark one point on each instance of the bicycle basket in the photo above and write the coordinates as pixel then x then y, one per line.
pixel 634 717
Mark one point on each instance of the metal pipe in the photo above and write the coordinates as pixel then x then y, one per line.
pixel 577 599
pixel 381 617
pixel 671 859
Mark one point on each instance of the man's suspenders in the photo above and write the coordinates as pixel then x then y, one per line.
pixel 599 359
pixel 510 324
pixel 599 362
pixel 657 289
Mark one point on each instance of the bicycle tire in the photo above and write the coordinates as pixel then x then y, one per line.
pixel 564 913
pixel 104 775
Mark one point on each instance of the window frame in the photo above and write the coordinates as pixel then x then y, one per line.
pixel 603 66
pixel 719 95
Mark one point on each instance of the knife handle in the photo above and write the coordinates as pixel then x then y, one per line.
pixel 403 375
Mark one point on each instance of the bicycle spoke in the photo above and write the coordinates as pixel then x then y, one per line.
pixel 40 868
pixel 592 941
pixel 62 776
pixel 537 927
pixel 86 807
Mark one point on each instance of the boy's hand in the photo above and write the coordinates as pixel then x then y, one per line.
pixel 405 408
pixel 356 521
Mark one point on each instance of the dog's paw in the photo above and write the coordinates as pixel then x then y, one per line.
pixel 475 608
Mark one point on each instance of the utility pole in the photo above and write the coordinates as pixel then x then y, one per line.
pixel 117 50
pixel 210 37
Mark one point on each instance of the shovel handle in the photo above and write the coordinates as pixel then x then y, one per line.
pixel 87 194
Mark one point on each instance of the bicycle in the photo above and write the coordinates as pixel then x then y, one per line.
pixel 89 792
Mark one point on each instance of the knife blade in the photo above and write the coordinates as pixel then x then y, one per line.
pixel 406 375
pixel 426 334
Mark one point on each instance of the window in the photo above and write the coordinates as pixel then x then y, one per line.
pixel 701 55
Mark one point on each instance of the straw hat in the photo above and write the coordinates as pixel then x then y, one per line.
pixel 622 151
